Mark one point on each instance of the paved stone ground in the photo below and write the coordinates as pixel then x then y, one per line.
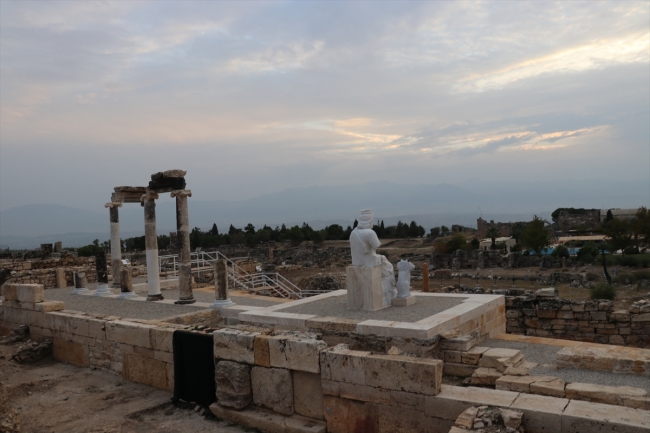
pixel 336 306
pixel 545 355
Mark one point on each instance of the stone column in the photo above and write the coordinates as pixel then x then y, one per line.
pixel 183 239
pixel 116 243
pixel 151 246
pixel 220 268
pixel 425 277
pixel 102 275
pixel 126 283
pixel 80 284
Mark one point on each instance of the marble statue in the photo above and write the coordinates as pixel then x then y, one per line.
pixel 404 268
pixel 363 246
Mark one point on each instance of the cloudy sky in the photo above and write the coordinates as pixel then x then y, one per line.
pixel 257 97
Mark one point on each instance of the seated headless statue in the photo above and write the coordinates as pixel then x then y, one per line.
pixel 363 246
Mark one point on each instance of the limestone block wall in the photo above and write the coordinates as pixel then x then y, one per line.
pixel 44 271
pixel 591 321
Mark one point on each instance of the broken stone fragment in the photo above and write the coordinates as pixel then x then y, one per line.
pixel 233 381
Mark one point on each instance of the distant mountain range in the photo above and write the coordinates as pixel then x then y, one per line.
pixel 429 205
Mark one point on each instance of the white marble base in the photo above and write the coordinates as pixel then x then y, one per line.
pixel 222 303
pixel 103 290
pixel 404 302
pixel 127 295
pixel 365 288
pixel 80 291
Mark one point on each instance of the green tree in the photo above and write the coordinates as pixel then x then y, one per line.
pixel 475 243
pixel 561 251
pixel 457 242
pixel 535 236
pixel 516 230
pixel 493 233
pixel 444 230
pixel 214 231
pixel 434 232
pixel 640 227
pixel 618 232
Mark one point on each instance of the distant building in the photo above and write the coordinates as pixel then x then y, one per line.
pixel 508 241
pixel 462 229
pixel 618 213
pixel 483 226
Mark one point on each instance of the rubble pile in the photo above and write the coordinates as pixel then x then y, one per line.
pixel 486 419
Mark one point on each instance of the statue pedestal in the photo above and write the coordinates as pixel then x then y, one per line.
pixel 365 289
pixel 404 302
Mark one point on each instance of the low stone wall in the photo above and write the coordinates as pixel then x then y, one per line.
pixel 591 321
pixel 50 272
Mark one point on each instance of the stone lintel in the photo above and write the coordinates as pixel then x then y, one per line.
pixel 167 184
pixel 168 174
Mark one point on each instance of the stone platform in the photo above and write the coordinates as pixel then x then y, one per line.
pixel 433 314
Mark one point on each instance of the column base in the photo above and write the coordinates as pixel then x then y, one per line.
pixel 116 285
pixel 125 295
pixel 155 298
pixel 403 302
pixel 103 290
pixel 80 291
pixel 222 303
pixel 190 300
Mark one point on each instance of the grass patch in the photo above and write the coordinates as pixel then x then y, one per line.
pixel 603 291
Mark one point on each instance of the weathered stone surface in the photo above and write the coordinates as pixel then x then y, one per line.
pixel 341 364
pixel 266 421
pixel 70 352
pixel 581 416
pixel 467 417
pixel 30 293
pixel 473 355
pixel 135 334
pixel 273 388
pixel 511 418
pixel 515 383
pixel 349 416
pixel 46 307
pixel 402 373
pixel 296 353
pixel 308 394
pixel 602 394
pixel 459 370
pixel 145 370
pixel 550 386
pixel 161 339
pixel 261 351
pixel 541 414
pixel 330 387
pixel 10 292
pixel 499 358
pixel 235 345
pixel 453 400
pixel 364 288
pixel 233 381
pixel 485 376
pixel 401 420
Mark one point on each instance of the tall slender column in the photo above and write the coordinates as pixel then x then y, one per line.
pixel 151 245
pixel 102 275
pixel 183 240
pixel 116 243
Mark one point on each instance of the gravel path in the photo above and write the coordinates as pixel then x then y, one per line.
pixel 545 355
pixel 209 297
pixel 336 306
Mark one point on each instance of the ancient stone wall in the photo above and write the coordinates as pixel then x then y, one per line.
pixel 567 221
pixel 45 271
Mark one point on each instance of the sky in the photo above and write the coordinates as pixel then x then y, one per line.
pixel 256 97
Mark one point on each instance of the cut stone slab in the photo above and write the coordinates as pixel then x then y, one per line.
pixel 542 414
pixel 233 381
pixel 273 388
pixel 308 394
pixel 466 419
pixel 485 376
pixel 403 302
pixel 515 383
pixel 402 373
pixel 549 386
pixel 500 359
pixel 459 370
pixel 46 307
pixel 453 400
pixel 581 416
pixel 473 355
pixel 602 394
pixel 268 421
pixel 295 353
pixel 237 345
pixel 340 364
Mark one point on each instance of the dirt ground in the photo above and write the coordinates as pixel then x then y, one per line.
pixel 52 397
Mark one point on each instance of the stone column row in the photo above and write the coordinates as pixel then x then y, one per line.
pixel 151 247
pixel 116 242
pixel 184 254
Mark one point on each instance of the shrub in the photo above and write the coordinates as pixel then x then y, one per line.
pixel 560 251
pixel 603 291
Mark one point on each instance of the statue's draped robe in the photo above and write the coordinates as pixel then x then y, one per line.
pixel 363 244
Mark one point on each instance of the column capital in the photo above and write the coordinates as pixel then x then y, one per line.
pixel 181 193
pixel 113 204
pixel 149 196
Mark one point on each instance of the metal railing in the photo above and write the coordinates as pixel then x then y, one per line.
pixel 238 277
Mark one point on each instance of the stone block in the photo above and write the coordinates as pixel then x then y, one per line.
pixel 365 393
pixel 145 370
pixel 273 388
pixel 135 334
pixel 401 420
pixel 473 355
pixel 364 288
pixel 264 420
pixel 308 394
pixel 614 395
pixel 70 352
pixel 60 278
pixel 453 400
pixel 331 388
pixel 235 345
pixel 10 292
pixel 28 306
pixel 349 416
pixel 48 306
pixel 500 359
pixel 458 370
pixel 402 373
pixel 97 329
pixel 515 383
pixel 581 416
pixel 485 376
pixel 462 343
pixel 337 324
pixel 549 386
pixel 341 364
pixel 403 302
pixel 261 351
pixel 30 293
pixel 452 356
pixel 233 380
pixel 162 339
pixel 295 353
